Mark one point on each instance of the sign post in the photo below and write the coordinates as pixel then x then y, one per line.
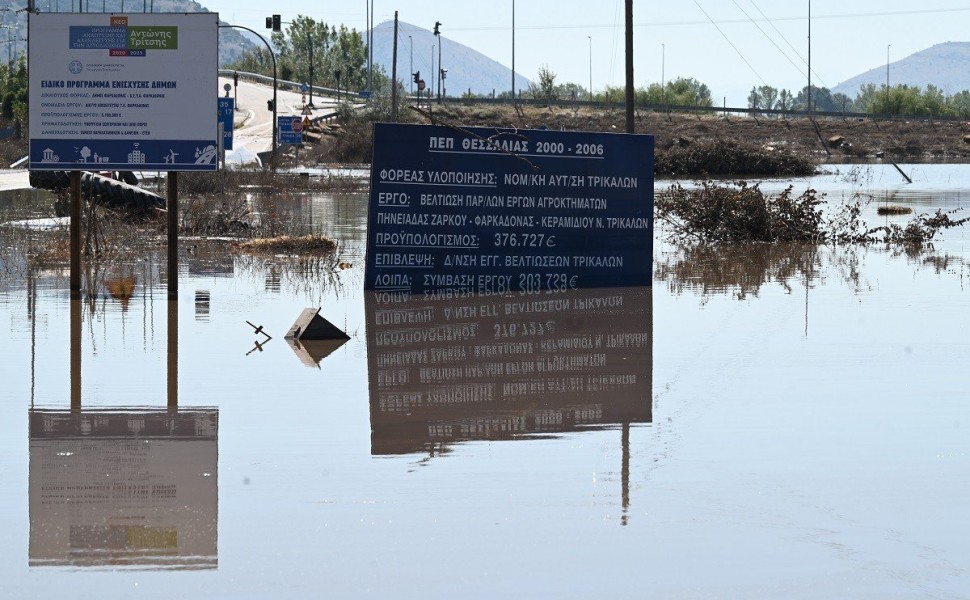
pixel 227 110
pixel 290 130
pixel 115 92
pixel 479 210
pixel 121 92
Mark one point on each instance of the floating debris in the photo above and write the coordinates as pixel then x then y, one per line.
pixel 307 244
pixel 894 210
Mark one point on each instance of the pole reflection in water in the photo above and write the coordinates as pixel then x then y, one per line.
pixel 124 488
pixel 444 368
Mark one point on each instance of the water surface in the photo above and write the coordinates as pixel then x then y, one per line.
pixel 764 422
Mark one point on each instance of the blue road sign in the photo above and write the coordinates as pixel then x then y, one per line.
pixel 483 210
pixel 304 88
pixel 365 94
pixel 227 110
pixel 289 130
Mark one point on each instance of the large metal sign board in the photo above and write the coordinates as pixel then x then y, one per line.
pixel 125 92
pixel 496 211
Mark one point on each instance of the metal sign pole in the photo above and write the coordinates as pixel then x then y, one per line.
pixel 173 233
pixel 74 179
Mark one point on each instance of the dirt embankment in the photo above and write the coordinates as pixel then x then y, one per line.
pixel 688 142
pixel 820 139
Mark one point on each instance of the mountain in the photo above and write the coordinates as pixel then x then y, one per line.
pixel 947 66
pixel 468 69
pixel 232 43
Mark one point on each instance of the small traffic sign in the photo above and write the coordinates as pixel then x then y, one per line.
pixel 306 122
pixel 289 130
pixel 421 84
pixel 304 88
pixel 306 111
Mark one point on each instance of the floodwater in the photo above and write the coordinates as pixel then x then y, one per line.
pixel 775 422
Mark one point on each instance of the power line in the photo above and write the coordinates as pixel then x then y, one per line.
pixel 768 37
pixel 728 40
pixel 897 13
pixel 782 36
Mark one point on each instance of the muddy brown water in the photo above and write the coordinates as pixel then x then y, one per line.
pixel 764 422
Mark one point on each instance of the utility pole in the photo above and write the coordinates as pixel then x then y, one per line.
pixel 394 74
pixel 437 33
pixel 629 67
pixel 310 45
pixel 888 109
pixel 809 59
pixel 411 40
pixel 514 102
pixel 590 38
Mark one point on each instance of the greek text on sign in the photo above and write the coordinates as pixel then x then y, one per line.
pixel 497 211
pixel 121 92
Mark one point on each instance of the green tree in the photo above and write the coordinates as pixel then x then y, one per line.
pixel 571 91
pixel 959 104
pixel 545 87
pixel 333 48
pixel 785 101
pixel 13 91
pixel 687 91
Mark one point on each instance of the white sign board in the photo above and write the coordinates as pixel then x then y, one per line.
pixel 123 92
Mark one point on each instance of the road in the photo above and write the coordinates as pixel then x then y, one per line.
pixel 254 123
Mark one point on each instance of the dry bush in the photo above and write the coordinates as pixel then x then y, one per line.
pixel 286 244
pixel 715 213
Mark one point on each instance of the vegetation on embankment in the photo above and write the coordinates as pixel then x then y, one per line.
pixel 686 145
pixel 714 213
pixel 695 145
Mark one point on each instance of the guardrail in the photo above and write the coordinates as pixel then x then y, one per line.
pixel 283 84
pixel 567 103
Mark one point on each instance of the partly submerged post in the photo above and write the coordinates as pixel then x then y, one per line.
pixel 172 363
pixel 74 180
pixel 172 205
pixel 75 354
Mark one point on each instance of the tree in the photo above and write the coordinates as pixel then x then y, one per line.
pixel 754 99
pixel 571 91
pixel 843 102
pixel 545 88
pixel 821 100
pixel 334 49
pixel 959 104
pixel 769 96
pixel 785 101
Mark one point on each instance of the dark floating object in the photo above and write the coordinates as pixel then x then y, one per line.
pixel 110 192
pixel 313 338
pixel 894 210
pixel 311 326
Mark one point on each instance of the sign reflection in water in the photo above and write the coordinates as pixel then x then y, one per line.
pixel 135 487
pixel 448 367
pixel 124 488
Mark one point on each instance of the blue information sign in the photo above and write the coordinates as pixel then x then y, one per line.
pixel 499 210
pixel 227 110
pixel 289 130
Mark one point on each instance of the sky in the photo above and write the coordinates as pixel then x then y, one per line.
pixel 730 45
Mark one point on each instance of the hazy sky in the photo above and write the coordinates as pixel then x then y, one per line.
pixel 730 45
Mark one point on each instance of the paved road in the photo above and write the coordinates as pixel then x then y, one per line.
pixel 14 179
pixel 256 132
